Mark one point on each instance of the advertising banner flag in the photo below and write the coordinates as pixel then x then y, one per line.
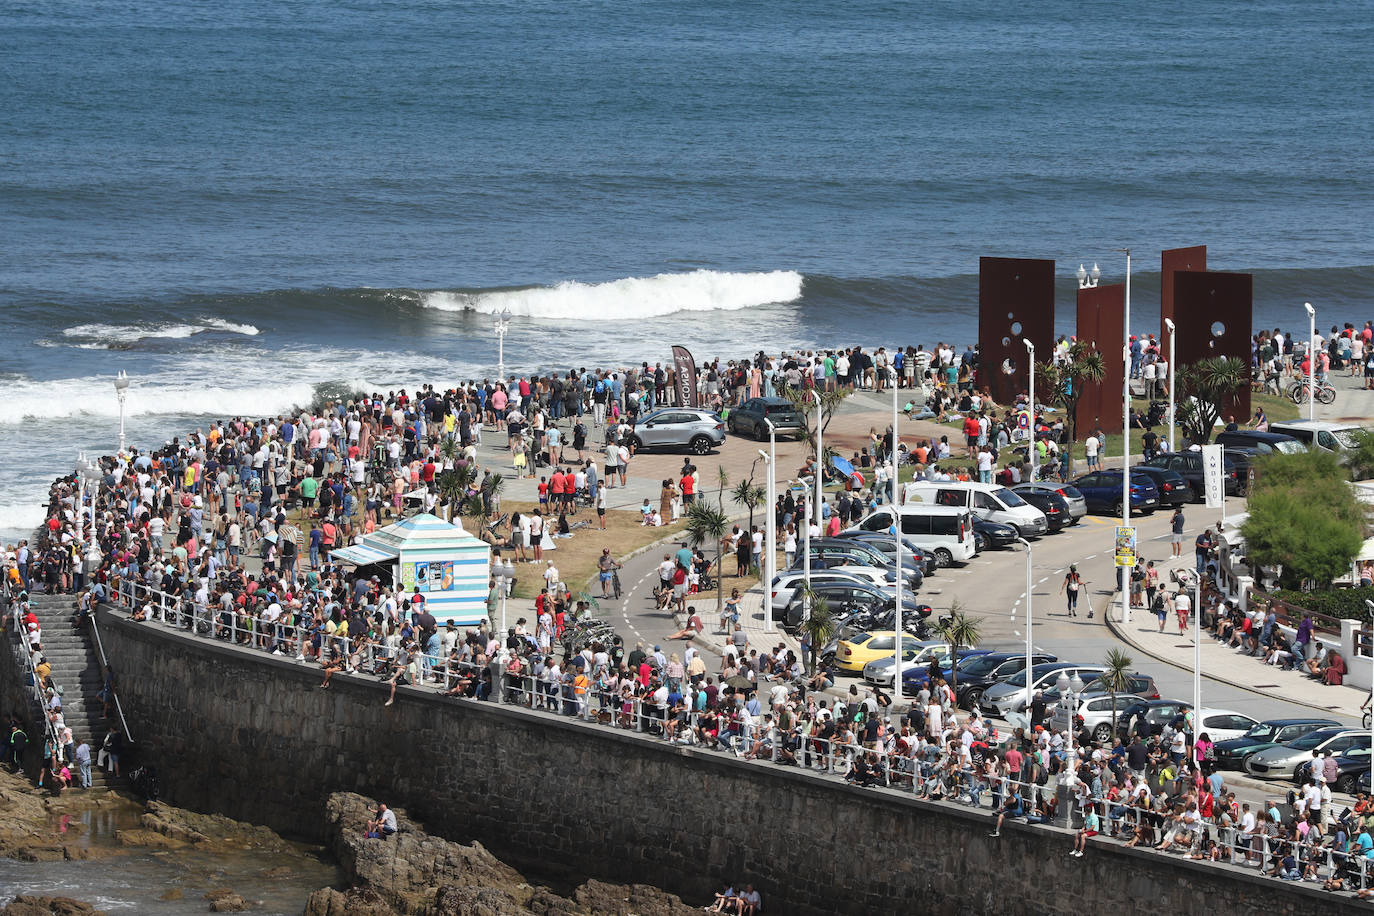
pixel 686 377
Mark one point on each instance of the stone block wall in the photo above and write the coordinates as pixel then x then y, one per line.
pixel 251 736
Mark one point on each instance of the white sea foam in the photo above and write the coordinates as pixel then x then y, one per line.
pixel 630 298
pixel 106 334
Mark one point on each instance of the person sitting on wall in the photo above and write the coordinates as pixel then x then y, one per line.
pixel 726 901
pixel 749 902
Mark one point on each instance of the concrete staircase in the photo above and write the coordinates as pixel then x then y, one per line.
pixel 76 669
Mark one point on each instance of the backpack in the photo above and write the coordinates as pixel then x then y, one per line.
pixel 600 386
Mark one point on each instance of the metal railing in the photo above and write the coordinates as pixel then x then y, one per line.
pixel 104 668
pixel 23 652
pixel 924 770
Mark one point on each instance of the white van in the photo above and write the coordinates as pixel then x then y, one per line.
pixel 1330 437
pixel 946 531
pixel 991 501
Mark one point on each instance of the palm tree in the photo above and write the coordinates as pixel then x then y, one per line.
pixel 707 524
pixel 492 485
pixel 749 495
pixel 960 631
pixel 1116 679
pixel 1062 384
pixel 453 486
pixel 1209 389
pixel 818 626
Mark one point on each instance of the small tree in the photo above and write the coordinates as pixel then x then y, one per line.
pixel 1360 459
pixel 818 626
pixel 1116 679
pixel 707 524
pixel 1208 389
pixel 1303 518
pixel 960 631
pixel 806 406
pixel 1062 385
pixel 749 495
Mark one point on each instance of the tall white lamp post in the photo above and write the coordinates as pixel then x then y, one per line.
pixel 504 572
pixel 1030 620
pixel 92 473
pixel 1088 279
pixel 1311 360
pixel 1124 573
pixel 1369 647
pixel 502 326
pixel 1069 691
pixel 121 392
pixel 1169 323
pixel 1034 455
pixel 897 540
pixel 820 455
pixel 770 518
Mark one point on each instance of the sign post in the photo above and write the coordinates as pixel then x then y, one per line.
pixel 1214 479
pixel 1125 550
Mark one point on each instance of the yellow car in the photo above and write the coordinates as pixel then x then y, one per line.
pixel 852 654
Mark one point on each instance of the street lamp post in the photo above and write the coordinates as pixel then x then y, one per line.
pixel 1030 620
pixel 820 454
pixel 1197 661
pixel 1311 360
pixel 1069 691
pixel 1369 647
pixel 806 551
pixel 1089 279
pixel 1034 456
pixel 81 502
pixel 502 326
pixel 121 392
pixel 504 571
pixel 1169 323
pixel 92 473
pixel 770 551
pixel 897 540
pixel 1126 437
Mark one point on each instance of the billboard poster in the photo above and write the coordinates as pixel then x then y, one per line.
pixel 1213 481
pixel 422 577
pixel 1125 545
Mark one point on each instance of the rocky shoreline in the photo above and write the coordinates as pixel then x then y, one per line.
pixel 415 874
pixel 409 874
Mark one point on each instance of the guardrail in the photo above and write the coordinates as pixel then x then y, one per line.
pixel 1288 614
pixel 922 770
pixel 104 667
pixel 15 611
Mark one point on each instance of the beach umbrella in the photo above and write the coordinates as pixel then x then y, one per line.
pixel 739 682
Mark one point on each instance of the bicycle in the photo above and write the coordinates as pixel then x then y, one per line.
pixel 1297 392
pixel 615 582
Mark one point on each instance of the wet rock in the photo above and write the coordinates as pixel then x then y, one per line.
pixel 171 894
pixel 414 874
pixel 34 905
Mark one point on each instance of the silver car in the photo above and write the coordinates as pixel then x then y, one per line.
pixel 880 671
pixel 1281 761
pixel 1078 506
pixel 679 427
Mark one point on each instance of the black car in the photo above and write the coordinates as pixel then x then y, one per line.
pixel 846 599
pixel 747 419
pixel 1231 754
pixel 988 535
pixel 1189 466
pixel 884 543
pixel 1260 443
pixel 1349 767
pixel 990 669
pixel 1055 507
pixel 830 552
pixel 1173 489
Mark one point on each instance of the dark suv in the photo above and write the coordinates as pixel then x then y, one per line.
pixel 1189 465
pixel 1261 443
pixel 747 419
pixel 990 669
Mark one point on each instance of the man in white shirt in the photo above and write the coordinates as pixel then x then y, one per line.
pixel 984 464
pixel 1090 447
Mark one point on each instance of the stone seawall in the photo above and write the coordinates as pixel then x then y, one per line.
pixel 250 736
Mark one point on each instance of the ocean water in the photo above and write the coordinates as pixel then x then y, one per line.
pixel 237 203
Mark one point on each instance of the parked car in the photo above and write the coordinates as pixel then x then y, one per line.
pixel 1102 491
pixel 945 532
pixel 1232 753
pixel 1173 489
pixel 1320 434
pixel 1149 718
pixel 1010 695
pixel 852 654
pixel 886 544
pixel 828 553
pixel 1078 507
pixel 848 598
pixel 916 678
pixel 1349 767
pixel 1141 685
pixel 880 671
pixel 1189 467
pixel 698 431
pixel 1055 507
pixel 1281 761
pixel 785 584
pixel 747 419
pixel 992 535
pixel 1262 443
pixel 990 669
pixel 991 501
pixel 1094 716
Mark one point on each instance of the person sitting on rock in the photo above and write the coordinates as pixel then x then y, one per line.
pixel 383 825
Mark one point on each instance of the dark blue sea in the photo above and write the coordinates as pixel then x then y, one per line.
pixel 239 202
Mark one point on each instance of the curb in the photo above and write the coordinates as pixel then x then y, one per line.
pixel 1120 634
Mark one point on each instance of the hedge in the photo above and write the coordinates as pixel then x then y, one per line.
pixel 1341 602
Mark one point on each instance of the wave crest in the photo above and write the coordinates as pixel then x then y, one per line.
pixel 108 335
pixel 629 298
